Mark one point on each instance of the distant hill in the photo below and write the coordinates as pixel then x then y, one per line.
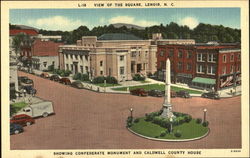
pixel 129 26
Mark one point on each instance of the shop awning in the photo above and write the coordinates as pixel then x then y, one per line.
pixel 203 80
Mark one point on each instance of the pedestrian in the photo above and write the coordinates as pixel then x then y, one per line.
pixel 24 92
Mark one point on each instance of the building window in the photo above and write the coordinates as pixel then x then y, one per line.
pixel 189 54
pixel 232 57
pixel 133 54
pixel 101 63
pixel 66 56
pixel 224 70
pixel 239 57
pixel 180 54
pixel 200 68
pixel 122 70
pixel 179 65
pixel 224 58
pixel 86 68
pixel 71 56
pixel 44 64
pixel 200 57
pixel 81 67
pixel 67 66
pixel 86 57
pixel 81 57
pixel 53 62
pixel 71 67
pixel 189 66
pixel 76 57
pixel 211 69
pixel 238 68
pixel 231 68
pixel 146 53
pixel 101 72
pixel 139 53
pixel 171 52
pixel 121 57
pixel 161 53
pixel 211 58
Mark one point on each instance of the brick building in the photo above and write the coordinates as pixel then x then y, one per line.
pixel 203 66
pixel 45 53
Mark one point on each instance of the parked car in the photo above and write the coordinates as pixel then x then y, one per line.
pixel 65 80
pixel 44 75
pixel 55 78
pixel 172 94
pixel 77 84
pixel 156 93
pixel 29 89
pixel 22 119
pixel 42 108
pixel 139 92
pixel 25 81
pixel 183 94
pixel 15 128
pixel 211 95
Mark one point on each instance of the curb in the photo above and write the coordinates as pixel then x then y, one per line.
pixel 170 140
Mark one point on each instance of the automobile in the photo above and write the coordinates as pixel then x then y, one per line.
pixel 55 78
pixel 77 84
pixel 139 92
pixel 156 93
pixel 211 95
pixel 22 119
pixel 29 89
pixel 172 94
pixel 24 80
pixel 65 81
pixel 15 128
pixel 44 75
pixel 183 94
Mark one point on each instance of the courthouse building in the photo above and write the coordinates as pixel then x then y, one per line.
pixel 118 55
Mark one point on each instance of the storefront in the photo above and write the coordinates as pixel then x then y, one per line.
pixel 203 83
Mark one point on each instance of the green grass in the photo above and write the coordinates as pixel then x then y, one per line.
pixel 157 86
pixel 188 130
pixel 15 107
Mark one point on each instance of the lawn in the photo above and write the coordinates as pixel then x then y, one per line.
pixel 188 130
pixel 157 86
pixel 15 107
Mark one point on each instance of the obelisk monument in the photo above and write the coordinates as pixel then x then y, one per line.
pixel 167 106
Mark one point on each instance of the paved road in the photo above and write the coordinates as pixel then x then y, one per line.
pixel 90 120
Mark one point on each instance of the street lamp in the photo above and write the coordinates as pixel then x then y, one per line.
pixel 171 124
pixel 131 112
pixel 205 111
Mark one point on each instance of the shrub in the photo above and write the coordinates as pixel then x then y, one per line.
pixel 99 79
pixel 163 133
pixel 85 77
pixel 157 120
pixel 51 68
pixel 77 76
pixel 198 120
pixel 138 77
pixel 188 118
pixel 205 124
pixel 136 120
pixel 111 80
pixel 129 124
pixel 130 119
pixel 177 133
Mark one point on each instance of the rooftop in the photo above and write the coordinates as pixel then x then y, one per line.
pixel 118 36
pixel 30 32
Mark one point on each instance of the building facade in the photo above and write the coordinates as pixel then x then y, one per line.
pixel 45 53
pixel 204 66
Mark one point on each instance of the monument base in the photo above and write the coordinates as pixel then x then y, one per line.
pixel 167 111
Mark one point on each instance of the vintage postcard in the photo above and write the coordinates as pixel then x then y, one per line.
pixel 125 79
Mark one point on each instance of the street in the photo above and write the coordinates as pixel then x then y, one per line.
pixel 90 120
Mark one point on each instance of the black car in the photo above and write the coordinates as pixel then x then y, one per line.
pixel 29 89
pixel 15 128
pixel 55 78
pixel 77 84
pixel 183 94
pixel 211 95
pixel 25 80
pixel 155 93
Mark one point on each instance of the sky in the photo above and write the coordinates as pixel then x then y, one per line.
pixel 70 19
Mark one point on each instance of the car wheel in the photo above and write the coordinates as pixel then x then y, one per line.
pixel 16 131
pixel 45 114
pixel 28 123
